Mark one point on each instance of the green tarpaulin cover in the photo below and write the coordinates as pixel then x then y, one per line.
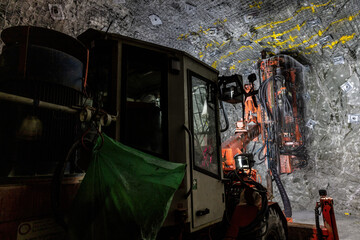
pixel 125 194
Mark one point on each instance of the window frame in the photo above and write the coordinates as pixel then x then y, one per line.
pixel 126 49
pixel 191 74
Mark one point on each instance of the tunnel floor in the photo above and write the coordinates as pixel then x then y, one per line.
pixel 348 226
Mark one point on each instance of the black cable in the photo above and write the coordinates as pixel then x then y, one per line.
pixel 264 205
pixel 282 191
pixel 295 151
pixel 261 151
pixel 263 96
pixel 252 151
pixel 225 117
pixel 108 28
pixel 259 188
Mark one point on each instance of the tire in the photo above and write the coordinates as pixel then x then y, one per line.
pixel 275 229
pixel 272 229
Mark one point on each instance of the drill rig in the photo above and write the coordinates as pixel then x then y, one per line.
pixel 273 114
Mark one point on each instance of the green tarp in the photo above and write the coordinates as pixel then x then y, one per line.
pixel 126 194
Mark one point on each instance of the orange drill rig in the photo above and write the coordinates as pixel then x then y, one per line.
pixel 275 111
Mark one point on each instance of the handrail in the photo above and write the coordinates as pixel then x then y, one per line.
pixel 41 104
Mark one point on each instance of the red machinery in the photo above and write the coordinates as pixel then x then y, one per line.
pixel 317 232
pixel 279 120
pixel 327 208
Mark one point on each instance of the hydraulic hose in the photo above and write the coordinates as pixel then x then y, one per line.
pixel 264 206
pixel 275 154
pixel 283 194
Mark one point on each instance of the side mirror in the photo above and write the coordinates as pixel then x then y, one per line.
pixel 231 89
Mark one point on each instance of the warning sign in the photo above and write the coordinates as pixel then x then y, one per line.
pixel 42 229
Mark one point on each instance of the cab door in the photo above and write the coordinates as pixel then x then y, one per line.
pixel 207 189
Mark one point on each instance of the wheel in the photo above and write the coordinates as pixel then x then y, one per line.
pixel 275 229
pixel 272 229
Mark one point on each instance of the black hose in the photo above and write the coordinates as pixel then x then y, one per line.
pixel 252 151
pixel 263 96
pixel 264 205
pixel 288 107
pixel 260 152
pixel 282 191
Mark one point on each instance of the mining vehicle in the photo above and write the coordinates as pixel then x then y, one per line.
pixel 58 95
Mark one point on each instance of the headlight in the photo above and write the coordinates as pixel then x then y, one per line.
pixel 244 161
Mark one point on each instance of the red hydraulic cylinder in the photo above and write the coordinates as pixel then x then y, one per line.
pixel 327 207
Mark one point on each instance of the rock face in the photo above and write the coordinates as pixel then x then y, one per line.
pixel 229 35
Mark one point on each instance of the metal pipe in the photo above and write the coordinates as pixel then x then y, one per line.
pixel 29 101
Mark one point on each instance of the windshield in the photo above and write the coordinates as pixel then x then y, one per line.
pixel 204 125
